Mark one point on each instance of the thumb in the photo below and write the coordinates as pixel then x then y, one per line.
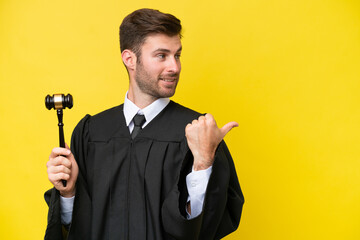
pixel 71 154
pixel 227 127
pixel 67 146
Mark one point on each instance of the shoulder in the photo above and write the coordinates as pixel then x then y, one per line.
pixel 109 116
pixel 101 126
pixel 169 124
pixel 175 110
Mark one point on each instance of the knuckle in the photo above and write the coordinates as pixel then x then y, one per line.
pixel 62 168
pixel 66 162
pixel 58 177
pixel 61 176
pixel 62 160
pixel 54 151
pixel 51 170
pixel 51 178
pixel 210 121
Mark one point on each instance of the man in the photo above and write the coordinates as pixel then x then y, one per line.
pixel 149 168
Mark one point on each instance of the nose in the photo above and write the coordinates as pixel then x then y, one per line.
pixel 174 65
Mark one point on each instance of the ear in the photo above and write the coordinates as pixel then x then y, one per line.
pixel 129 59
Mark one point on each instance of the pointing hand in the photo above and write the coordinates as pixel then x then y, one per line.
pixel 203 137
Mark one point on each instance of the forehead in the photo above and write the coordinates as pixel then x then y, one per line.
pixel 161 41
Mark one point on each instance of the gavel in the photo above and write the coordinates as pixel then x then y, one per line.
pixel 59 102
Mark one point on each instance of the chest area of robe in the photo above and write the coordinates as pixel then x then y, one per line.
pixel 128 181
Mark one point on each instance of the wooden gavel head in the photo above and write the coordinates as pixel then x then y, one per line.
pixel 59 101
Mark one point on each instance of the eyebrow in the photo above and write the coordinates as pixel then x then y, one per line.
pixel 166 50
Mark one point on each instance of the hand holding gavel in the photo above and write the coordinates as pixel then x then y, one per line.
pixel 59 102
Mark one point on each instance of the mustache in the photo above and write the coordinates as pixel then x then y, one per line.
pixel 173 75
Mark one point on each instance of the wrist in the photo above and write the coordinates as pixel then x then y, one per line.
pixel 68 194
pixel 199 167
pixel 202 163
pixel 203 158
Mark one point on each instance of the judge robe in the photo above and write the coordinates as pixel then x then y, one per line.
pixel 136 189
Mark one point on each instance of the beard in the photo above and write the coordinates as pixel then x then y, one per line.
pixel 151 85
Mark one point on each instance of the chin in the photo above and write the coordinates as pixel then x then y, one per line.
pixel 167 94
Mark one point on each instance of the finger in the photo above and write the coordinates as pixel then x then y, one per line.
pixel 58 169
pixel 59 151
pixel 57 177
pixel 195 121
pixel 227 127
pixel 70 156
pixel 210 120
pixel 59 160
pixel 209 116
pixel 188 126
pixel 201 118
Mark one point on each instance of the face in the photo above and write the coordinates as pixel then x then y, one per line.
pixel 158 69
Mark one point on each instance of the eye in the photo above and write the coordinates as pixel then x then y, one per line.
pixel 161 55
pixel 177 56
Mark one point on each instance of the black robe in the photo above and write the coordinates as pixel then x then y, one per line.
pixel 136 189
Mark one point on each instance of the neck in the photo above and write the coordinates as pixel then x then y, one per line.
pixel 140 99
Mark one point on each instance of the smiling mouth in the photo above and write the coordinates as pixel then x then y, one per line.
pixel 168 79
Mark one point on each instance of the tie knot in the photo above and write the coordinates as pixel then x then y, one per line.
pixel 139 120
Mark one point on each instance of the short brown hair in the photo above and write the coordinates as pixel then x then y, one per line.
pixel 139 24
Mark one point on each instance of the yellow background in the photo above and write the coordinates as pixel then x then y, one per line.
pixel 287 71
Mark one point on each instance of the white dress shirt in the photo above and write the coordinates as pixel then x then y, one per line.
pixel 196 181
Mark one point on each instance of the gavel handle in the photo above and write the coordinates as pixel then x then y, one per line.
pixel 61 135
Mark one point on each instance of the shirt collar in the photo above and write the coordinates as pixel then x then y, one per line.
pixel 150 111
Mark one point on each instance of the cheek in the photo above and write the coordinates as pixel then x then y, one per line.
pixel 152 68
pixel 156 68
pixel 156 71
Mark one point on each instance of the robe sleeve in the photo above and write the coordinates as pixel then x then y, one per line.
pixel 222 205
pixel 55 230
